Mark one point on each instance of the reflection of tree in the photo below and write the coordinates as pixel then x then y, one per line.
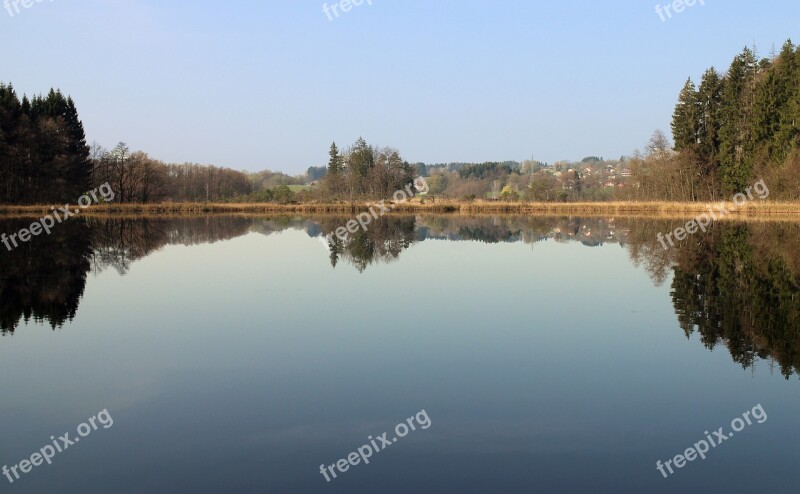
pixel 747 298
pixel 383 241
pixel 528 229
pixel 122 241
pixel 386 237
pixel 336 246
pixel 44 278
pixel 738 285
pixel 645 250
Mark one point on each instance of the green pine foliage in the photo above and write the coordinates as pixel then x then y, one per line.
pixel 686 119
pixel 735 126
pixel 744 125
pixel 366 171
pixel 335 165
pixel 43 153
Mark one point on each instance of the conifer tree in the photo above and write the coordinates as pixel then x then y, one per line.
pixel 685 119
pixel 335 162
pixel 334 180
pixel 788 78
pixel 734 133
pixel 771 130
pixel 709 98
pixel 361 161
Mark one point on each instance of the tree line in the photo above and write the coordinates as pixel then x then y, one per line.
pixel 44 159
pixel 135 177
pixel 43 153
pixel 736 128
pixel 729 131
pixel 138 178
pixel 366 171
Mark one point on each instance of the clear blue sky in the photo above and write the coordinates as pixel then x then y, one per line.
pixel 256 84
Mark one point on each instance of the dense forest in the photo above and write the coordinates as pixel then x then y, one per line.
pixel 729 132
pixel 43 153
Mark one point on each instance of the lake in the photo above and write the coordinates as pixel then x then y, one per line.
pixel 522 354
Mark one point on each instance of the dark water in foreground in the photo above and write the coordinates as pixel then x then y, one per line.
pixel 549 355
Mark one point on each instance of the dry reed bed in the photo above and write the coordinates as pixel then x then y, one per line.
pixel 788 210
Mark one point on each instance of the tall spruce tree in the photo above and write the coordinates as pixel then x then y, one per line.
pixel 735 126
pixel 771 133
pixel 785 137
pixel 709 99
pixel 686 119
pixel 335 162
pixel 334 180
pixel 709 96
pixel 79 166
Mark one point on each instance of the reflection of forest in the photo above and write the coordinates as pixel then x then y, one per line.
pixel 383 241
pixel 738 285
pixel 527 229
pixel 44 279
pixel 118 242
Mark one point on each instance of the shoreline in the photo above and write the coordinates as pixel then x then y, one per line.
pixel 789 210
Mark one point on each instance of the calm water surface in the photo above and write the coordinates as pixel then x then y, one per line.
pixel 239 354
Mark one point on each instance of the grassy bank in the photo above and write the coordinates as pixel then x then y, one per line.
pixel 654 209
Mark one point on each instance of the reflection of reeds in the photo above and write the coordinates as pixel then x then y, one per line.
pixel 755 209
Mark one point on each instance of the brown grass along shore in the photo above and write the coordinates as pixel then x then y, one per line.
pixel 754 209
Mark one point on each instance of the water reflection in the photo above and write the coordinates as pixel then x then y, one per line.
pixel 44 279
pixel 739 287
pixel 383 241
pixel 735 286
pixel 119 242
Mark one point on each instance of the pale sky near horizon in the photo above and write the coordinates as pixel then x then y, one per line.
pixel 269 84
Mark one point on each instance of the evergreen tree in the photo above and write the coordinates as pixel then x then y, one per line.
pixel 685 119
pixel 362 159
pixel 79 166
pixel 335 162
pixel 10 170
pixel 734 132
pixel 786 135
pixel 709 97
pixel 746 122
pixel 334 181
pixel 772 129
pixel 43 153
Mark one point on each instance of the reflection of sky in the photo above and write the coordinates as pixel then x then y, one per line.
pixel 242 365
